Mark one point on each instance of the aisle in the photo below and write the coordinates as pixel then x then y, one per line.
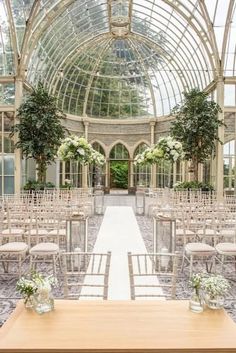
pixel 119 233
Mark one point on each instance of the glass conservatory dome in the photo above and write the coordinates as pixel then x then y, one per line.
pixel 118 58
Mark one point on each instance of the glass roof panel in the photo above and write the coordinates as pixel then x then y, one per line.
pixel 6 51
pixel 230 54
pixel 20 13
pixel 120 58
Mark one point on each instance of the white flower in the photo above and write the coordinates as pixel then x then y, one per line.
pixel 81 151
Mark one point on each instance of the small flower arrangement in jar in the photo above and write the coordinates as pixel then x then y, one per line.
pixel 27 288
pixel 196 303
pixel 36 291
pixel 215 288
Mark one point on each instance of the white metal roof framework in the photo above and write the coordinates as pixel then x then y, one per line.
pixel 89 50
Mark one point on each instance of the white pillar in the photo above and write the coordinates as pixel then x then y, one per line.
pixel 107 175
pixel 85 167
pixel 131 177
pixel 153 182
pixel 219 146
pixel 18 100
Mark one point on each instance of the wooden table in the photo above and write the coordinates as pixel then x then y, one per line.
pixel 118 326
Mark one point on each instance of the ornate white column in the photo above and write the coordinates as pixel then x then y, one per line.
pixel 85 167
pixel 153 167
pixel 219 147
pixel 18 100
pixel 131 178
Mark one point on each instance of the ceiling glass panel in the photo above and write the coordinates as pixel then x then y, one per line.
pixel 119 58
pixel 6 51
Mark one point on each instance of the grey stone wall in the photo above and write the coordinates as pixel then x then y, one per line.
pixel 133 132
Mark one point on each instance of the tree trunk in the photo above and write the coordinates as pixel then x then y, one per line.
pixel 41 168
pixel 195 169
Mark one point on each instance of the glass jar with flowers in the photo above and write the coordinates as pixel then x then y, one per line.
pixel 44 300
pixel 27 288
pixel 215 288
pixel 37 291
pixel 196 303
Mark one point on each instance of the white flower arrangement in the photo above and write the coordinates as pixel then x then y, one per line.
pixel 215 285
pixel 196 281
pixel 166 149
pixel 98 158
pixel 77 148
pixel 37 283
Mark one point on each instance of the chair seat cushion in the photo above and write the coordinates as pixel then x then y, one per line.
pixel 199 248
pixel 184 232
pixel 44 248
pixel 14 247
pixel 228 232
pixel 13 231
pixel 226 248
pixel 206 232
pixel 58 232
pixel 37 232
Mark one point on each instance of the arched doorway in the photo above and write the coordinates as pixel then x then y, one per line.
pixel 119 167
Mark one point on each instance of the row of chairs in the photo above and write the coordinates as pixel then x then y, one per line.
pixel 150 275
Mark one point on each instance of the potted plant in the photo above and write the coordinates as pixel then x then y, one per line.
pixel 196 127
pixel 33 185
pixel 39 131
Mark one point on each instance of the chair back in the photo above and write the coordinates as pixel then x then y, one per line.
pixel 86 274
pixel 152 275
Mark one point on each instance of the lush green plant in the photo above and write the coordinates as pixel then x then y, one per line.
pixel 193 185
pixel 39 130
pixel 196 126
pixel 36 185
pixel 119 172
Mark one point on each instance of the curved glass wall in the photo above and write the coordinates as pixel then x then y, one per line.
pixel 120 59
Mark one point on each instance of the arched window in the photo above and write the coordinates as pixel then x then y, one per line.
pixel 119 152
pixel 71 170
pixel 98 148
pixel 229 165
pixel 142 174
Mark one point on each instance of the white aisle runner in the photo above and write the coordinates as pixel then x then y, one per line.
pixel 119 233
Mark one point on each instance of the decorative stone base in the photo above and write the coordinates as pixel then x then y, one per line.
pixel 131 190
pixel 106 190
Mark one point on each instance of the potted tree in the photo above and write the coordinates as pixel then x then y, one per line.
pixel 196 127
pixel 39 130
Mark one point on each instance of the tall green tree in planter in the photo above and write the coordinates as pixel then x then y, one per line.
pixel 196 127
pixel 39 129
